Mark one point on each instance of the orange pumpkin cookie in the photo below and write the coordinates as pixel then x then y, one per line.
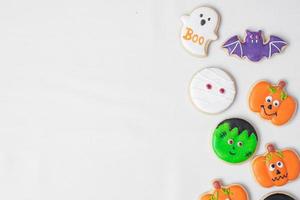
pixel 272 102
pixel 231 192
pixel 276 167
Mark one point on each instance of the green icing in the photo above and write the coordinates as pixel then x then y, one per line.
pixel 272 90
pixel 233 153
pixel 283 96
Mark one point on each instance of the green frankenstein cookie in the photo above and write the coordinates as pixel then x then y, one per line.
pixel 234 140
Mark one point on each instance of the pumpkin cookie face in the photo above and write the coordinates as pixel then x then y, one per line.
pixel 276 167
pixel 231 192
pixel 234 140
pixel 278 196
pixel 212 90
pixel 272 102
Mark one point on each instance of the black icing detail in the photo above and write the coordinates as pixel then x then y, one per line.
pixel 241 124
pixel 202 22
pixel 279 196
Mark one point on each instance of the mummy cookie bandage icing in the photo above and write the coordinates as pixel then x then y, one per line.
pixel 199 28
pixel 212 90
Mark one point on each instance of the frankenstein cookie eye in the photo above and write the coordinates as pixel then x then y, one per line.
pixel 230 141
pixel 240 144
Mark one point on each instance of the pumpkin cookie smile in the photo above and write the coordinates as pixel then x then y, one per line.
pixel 263 108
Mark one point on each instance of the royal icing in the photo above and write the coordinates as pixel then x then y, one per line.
pixel 212 90
pixel 234 140
pixel 276 167
pixel 199 28
pixel 230 192
pixel 254 47
pixel 279 196
pixel 272 102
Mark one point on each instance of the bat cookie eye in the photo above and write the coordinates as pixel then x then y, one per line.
pixel 230 141
pixel 279 164
pixel 222 90
pixel 201 15
pixel 269 99
pixel 276 103
pixel 209 86
pixel 272 167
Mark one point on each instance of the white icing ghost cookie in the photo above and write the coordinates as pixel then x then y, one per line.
pixel 212 90
pixel 199 28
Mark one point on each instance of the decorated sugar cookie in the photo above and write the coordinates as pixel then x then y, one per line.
pixel 278 196
pixel 272 102
pixel 276 167
pixel 234 140
pixel 254 46
pixel 231 192
pixel 199 28
pixel 212 90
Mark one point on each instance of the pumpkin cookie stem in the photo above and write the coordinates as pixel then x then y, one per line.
pixel 282 84
pixel 217 185
pixel 271 148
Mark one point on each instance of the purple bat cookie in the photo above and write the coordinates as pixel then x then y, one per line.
pixel 254 47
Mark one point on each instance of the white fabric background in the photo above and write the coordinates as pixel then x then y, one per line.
pixel 94 101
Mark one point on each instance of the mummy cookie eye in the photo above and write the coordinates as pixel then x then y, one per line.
pixel 272 167
pixel 279 164
pixel 201 15
pixel 230 141
pixel 209 86
pixel 276 103
pixel 222 90
pixel 268 99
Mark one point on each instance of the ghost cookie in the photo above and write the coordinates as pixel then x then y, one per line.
pixel 276 167
pixel 230 192
pixel 278 196
pixel 234 140
pixel 212 90
pixel 199 28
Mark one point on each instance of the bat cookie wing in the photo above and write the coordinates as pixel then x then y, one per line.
pixel 275 45
pixel 234 46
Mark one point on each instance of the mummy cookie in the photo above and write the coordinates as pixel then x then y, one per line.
pixel 212 90
pixel 272 102
pixel 232 192
pixel 278 196
pixel 234 140
pixel 276 167
pixel 254 47
pixel 199 28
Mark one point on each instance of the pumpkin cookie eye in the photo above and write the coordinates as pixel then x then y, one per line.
pixel 276 103
pixel 279 164
pixel 240 143
pixel 272 167
pixel 268 99
pixel 230 141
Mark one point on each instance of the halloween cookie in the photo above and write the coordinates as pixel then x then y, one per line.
pixel 232 192
pixel 278 196
pixel 199 28
pixel 254 47
pixel 234 140
pixel 272 102
pixel 276 167
pixel 212 90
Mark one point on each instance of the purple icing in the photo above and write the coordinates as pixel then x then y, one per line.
pixel 254 47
